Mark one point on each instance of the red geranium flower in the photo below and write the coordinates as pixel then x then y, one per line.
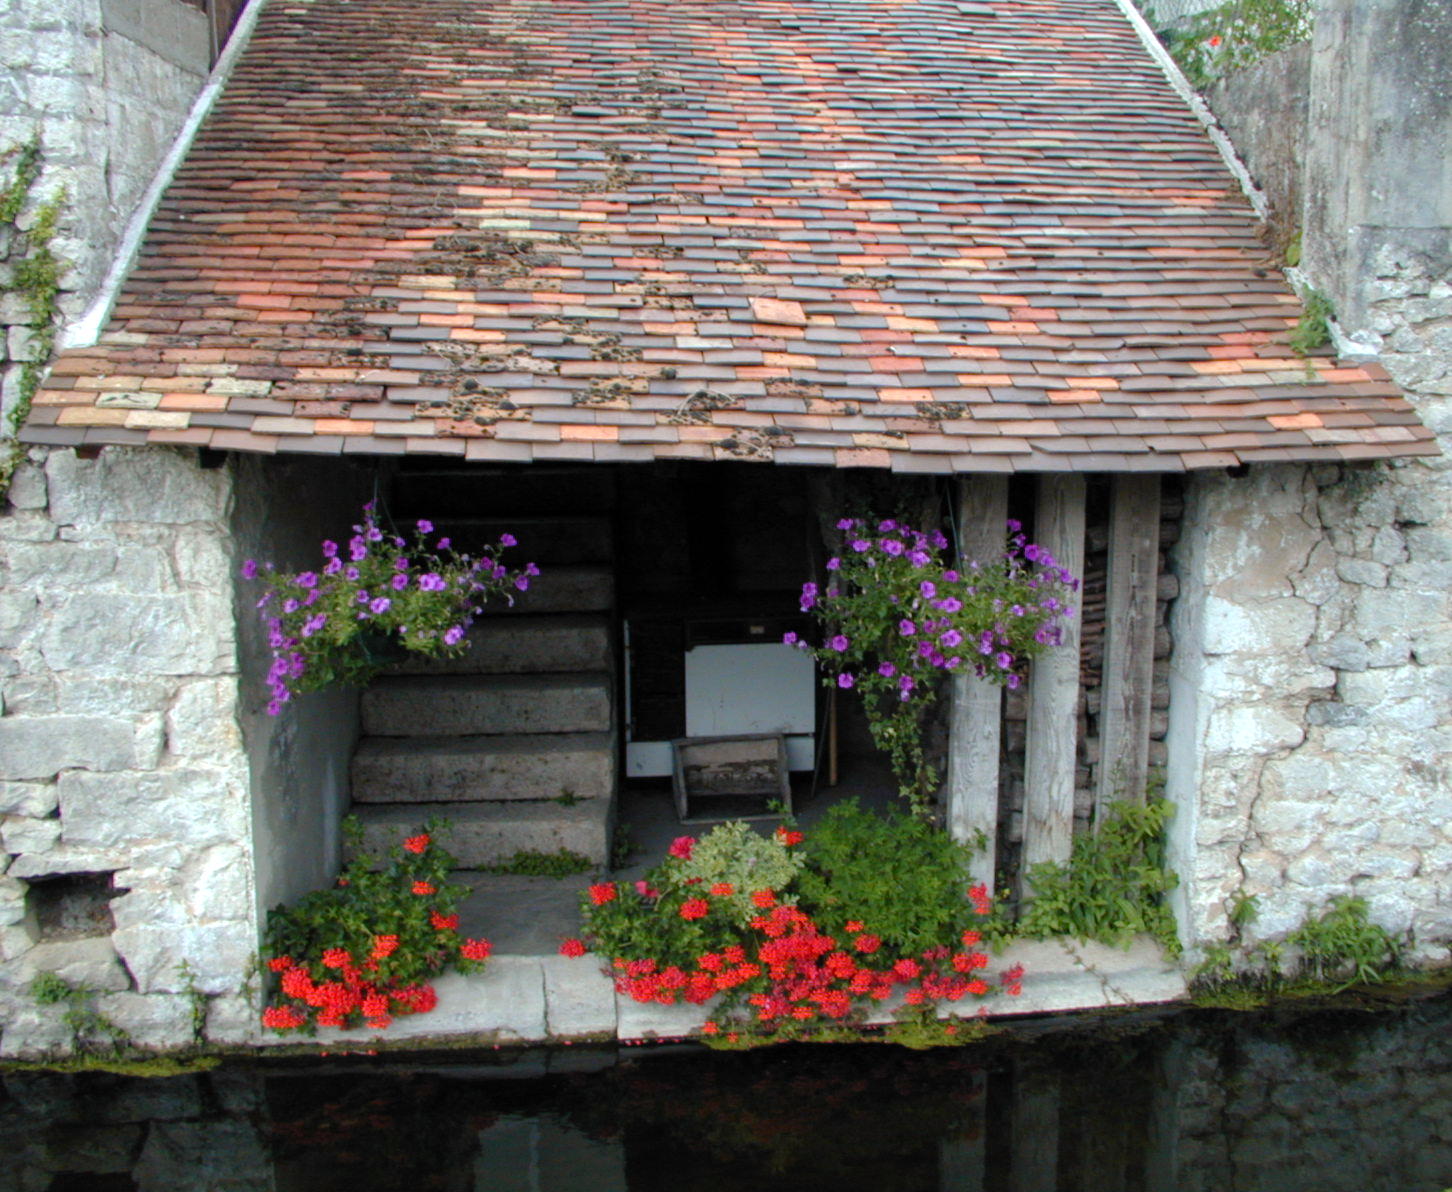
pixel 280 964
pixel 681 847
pixel 602 893
pixel 282 1018
pixel 867 944
pixel 763 898
pixel 417 844
pixel 695 908
pixel 723 890
pixel 443 922
pixel 384 946
pixel 424 888
pixel 476 949
pixel 335 958
pixel 572 947
pixel 789 836
pixel 854 925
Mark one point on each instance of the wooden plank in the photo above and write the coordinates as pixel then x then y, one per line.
pixel 1129 648
pixel 1053 724
pixel 975 724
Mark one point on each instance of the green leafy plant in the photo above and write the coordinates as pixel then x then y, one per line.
pixel 897 617
pixel 796 963
pixel 1342 942
pixel 35 276
pixel 533 863
pixel 1313 331
pixel 365 950
pixel 338 624
pixel 1114 885
pixel 90 1029
pixel 903 878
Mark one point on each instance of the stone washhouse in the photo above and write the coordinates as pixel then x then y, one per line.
pixel 663 295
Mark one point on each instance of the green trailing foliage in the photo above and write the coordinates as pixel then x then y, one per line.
pixel 1114 885
pixel 35 275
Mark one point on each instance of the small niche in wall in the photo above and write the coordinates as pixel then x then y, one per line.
pixel 73 905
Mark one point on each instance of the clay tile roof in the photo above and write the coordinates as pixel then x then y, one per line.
pixel 910 234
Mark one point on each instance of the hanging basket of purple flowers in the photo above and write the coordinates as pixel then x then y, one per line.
pixel 373 600
pixel 898 615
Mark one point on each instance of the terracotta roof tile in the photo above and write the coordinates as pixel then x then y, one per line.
pixel 924 236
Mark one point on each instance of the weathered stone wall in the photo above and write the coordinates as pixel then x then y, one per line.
pixel 283 510
pixel 120 751
pixel 1311 711
pixel 106 84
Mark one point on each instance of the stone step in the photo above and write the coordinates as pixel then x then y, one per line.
pixel 562 589
pixel 454 769
pixel 543 540
pixel 483 834
pixel 525 645
pixel 442 493
pixel 498 705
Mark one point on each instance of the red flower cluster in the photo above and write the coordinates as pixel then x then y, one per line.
pixel 798 974
pixel 789 836
pixel 572 947
pixel 341 1002
pixel 980 898
pixel 417 844
pixel 695 908
pixel 602 893
pixel 476 949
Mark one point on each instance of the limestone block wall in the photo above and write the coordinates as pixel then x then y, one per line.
pixel 126 863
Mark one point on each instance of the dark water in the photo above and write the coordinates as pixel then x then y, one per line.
pixel 1347 1098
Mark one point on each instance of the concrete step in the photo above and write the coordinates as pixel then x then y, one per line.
pixel 451 769
pixel 499 705
pixel 483 834
pixel 442 493
pixel 544 540
pixel 562 589
pixel 525 645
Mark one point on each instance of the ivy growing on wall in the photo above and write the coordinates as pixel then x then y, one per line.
pixel 35 276
pixel 1234 35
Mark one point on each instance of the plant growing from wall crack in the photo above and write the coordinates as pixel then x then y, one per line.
pixel 35 276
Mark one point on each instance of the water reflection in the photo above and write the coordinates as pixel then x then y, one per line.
pixel 1189 1102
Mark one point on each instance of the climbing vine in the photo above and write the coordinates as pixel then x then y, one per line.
pixel 35 276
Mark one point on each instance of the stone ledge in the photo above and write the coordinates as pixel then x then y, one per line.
pixel 538 998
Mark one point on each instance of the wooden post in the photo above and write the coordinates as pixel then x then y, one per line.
pixel 974 728
pixel 963 1161
pixel 1053 724
pixel 1129 648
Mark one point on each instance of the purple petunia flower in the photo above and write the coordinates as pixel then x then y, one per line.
pixel 892 546
pixel 399 582
pixel 809 596
pixel 846 523
pixel 308 579
pixel 840 642
pixel 380 606
pixel 508 540
pixel 362 597
pixel 1004 660
pixel 950 604
pixel 950 639
pixel 249 569
pixel 522 583
pixel 860 545
pixel 453 635
pixel 886 669
pixel 906 628
pixel 425 526
pixel 928 588
pixel 789 638
pixel 846 680
pixel 919 558
pixel 833 563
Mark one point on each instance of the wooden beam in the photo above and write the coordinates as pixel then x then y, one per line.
pixel 1051 752
pixel 975 725
pixel 1129 648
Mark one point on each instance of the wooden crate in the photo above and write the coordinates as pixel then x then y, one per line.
pixel 750 768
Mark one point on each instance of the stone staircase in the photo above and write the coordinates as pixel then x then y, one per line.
pixel 513 742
